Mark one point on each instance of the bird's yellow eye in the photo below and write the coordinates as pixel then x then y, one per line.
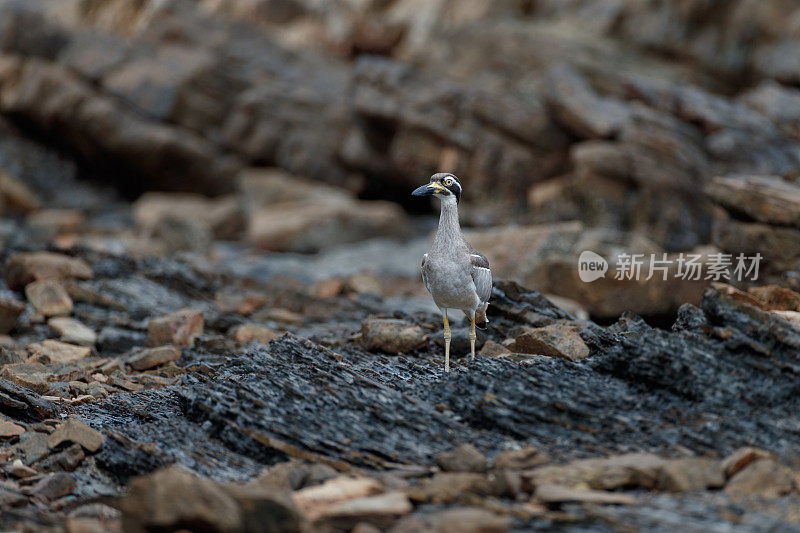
pixel 448 182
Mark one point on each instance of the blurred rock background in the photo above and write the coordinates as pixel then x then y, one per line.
pixel 300 127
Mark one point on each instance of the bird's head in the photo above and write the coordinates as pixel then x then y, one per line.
pixel 443 185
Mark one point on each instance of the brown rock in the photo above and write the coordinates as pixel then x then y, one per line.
pixel 288 475
pixel 56 221
pixel 462 458
pixel 239 301
pixel 73 331
pixel 73 430
pixel 283 315
pixel 364 283
pixel 311 227
pixel 528 457
pixel 19 469
pixel 462 520
pixel 10 309
pixel 24 268
pixel 551 493
pixel 222 215
pixel 391 335
pixel 54 486
pixel 556 340
pixel 450 487
pixel 493 349
pixel 263 187
pixel 50 351
pixel 311 499
pixel 767 199
pixel 254 332
pixel 177 234
pixel 265 508
pixel 793 317
pixel 171 498
pixel 691 473
pixel 776 298
pixel 67 460
pixel 10 429
pixel 763 477
pixel 85 525
pixel 179 328
pixel 33 445
pixel 742 458
pixel 49 297
pixel 15 195
pixel 32 376
pixel 628 470
pixel 380 509
pixel 153 357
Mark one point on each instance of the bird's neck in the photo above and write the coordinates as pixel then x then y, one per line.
pixel 449 227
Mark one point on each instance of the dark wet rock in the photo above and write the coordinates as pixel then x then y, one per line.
pixel 179 328
pixel 21 404
pixel 391 335
pixel 463 458
pixel 10 310
pixel 117 340
pixel 459 341
pixel 48 297
pixel 73 430
pixel 9 356
pixel 153 357
pixel 24 268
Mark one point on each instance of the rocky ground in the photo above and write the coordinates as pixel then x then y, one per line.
pixel 211 317
pixel 145 388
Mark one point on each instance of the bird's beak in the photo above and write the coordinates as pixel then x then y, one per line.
pixel 428 190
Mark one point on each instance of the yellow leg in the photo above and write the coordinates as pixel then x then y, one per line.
pixel 447 338
pixel 472 338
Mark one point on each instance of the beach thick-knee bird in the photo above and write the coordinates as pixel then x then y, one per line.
pixel 455 273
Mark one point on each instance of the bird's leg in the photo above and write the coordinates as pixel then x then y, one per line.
pixel 472 337
pixel 447 338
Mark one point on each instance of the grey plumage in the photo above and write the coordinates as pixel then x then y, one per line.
pixel 456 274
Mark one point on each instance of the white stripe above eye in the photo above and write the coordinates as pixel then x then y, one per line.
pixel 482 268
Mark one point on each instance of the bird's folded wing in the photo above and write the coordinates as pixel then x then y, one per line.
pixel 481 276
pixel 422 269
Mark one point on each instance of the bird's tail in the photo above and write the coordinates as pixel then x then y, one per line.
pixel 481 322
